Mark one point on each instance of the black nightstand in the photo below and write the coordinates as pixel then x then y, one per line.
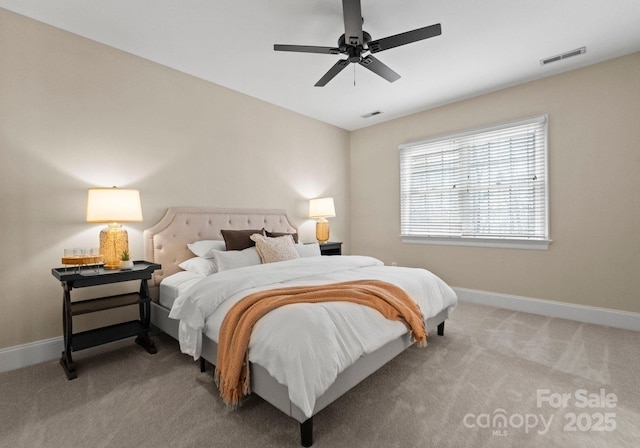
pixel 92 276
pixel 331 248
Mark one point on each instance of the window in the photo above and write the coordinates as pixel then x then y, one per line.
pixel 483 187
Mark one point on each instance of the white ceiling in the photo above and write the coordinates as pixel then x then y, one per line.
pixel 485 45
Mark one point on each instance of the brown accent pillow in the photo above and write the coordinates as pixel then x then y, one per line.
pixel 239 239
pixel 277 234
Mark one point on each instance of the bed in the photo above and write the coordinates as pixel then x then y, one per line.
pixel 166 244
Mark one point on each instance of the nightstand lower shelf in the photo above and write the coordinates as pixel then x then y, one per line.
pixel 104 335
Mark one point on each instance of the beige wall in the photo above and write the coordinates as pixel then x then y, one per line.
pixel 594 164
pixel 76 114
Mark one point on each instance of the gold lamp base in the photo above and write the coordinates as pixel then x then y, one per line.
pixel 113 241
pixel 322 230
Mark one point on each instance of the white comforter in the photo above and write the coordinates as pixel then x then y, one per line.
pixel 305 346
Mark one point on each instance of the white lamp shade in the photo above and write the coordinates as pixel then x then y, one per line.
pixel 321 208
pixel 113 204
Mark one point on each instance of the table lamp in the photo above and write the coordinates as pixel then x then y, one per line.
pixel 113 205
pixel 322 208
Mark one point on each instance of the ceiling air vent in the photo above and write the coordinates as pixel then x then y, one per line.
pixel 559 57
pixel 371 114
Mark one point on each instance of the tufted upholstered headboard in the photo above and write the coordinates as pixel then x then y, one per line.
pixel 166 242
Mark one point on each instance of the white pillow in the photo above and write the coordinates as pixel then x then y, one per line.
pixel 204 248
pixel 232 259
pixel 272 250
pixel 200 265
pixel 308 250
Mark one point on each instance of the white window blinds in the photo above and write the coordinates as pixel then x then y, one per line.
pixel 487 184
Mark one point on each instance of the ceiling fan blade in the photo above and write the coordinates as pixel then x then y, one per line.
pixel 405 38
pixel 333 71
pixel 352 13
pixel 307 49
pixel 379 68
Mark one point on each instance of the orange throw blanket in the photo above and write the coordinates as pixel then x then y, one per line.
pixel 232 367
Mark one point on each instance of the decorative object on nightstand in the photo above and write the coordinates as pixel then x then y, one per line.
pixel 82 257
pixel 125 260
pixel 83 277
pixel 113 205
pixel 322 208
pixel 331 248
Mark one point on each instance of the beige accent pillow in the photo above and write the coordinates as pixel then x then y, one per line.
pixel 271 250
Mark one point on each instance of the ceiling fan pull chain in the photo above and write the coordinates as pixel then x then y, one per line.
pixel 354 75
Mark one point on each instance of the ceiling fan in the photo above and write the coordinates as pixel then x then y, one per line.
pixel 357 45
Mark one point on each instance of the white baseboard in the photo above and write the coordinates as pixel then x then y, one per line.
pixel 19 356
pixel 581 313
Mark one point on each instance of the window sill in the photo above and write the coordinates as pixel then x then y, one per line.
pixel 480 242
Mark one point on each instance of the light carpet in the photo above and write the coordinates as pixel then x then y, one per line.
pixel 497 378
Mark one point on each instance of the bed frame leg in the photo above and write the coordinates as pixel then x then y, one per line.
pixel 441 329
pixel 306 432
pixel 203 365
